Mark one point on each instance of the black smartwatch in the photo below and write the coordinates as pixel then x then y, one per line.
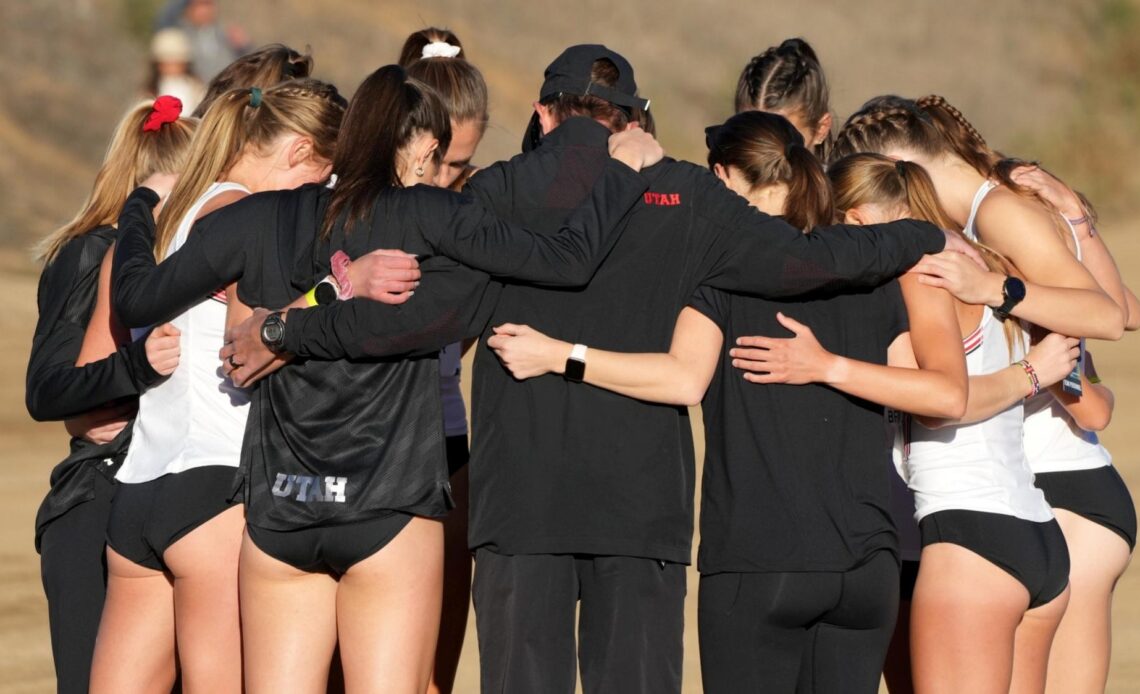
pixel 273 332
pixel 325 292
pixel 1012 292
pixel 576 364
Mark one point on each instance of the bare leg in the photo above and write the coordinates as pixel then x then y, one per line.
pixel 1082 647
pixel 288 622
pixel 964 616
pixel 456 589
pixel 1031 645
pixel 134 651
pixel 388 608
pixel 205 567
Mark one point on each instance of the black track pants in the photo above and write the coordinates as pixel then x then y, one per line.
pixel 631 622
pixel 74 571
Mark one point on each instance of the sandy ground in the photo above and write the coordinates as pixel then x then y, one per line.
pixel 31 449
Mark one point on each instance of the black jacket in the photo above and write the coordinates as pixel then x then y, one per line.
pixel 57 389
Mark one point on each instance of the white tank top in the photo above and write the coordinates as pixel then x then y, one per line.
pixel 1053 441
pixel 974 467
pixel 195 417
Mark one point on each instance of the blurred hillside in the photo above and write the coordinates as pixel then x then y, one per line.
pixel 1053 80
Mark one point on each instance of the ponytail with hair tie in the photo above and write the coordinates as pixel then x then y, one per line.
pixel 166 109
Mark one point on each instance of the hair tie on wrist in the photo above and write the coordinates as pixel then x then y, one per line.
pixel 166 109
pixel 440 49
pixel 254 97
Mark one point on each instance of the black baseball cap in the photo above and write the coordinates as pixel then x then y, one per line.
pixel 570 74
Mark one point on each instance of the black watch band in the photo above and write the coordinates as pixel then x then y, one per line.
pixel 273 332
pixel 1012 292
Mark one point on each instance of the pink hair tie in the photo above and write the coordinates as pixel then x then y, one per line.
pixel 340 263
pixel 166 109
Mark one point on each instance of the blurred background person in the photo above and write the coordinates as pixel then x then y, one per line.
pixel 213 46
pixel 171 69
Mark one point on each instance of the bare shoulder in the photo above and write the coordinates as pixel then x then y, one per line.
pixel 1005 213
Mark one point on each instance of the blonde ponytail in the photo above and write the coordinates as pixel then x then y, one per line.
pixel 132 157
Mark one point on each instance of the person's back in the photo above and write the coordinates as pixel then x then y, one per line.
pixel 794 477
pixel 595 473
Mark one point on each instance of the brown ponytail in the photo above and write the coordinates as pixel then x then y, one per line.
pixel 244 120
pixel 388 110
pixel 768 150
pixel 132 156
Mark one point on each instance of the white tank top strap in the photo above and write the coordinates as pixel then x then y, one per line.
pixel 187 222
pixel 983 191
pixel 1076 238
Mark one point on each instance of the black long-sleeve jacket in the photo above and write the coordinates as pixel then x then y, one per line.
pixel 334 441
pixel 56 388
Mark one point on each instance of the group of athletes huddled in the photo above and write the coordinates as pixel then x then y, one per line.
pixel 253 331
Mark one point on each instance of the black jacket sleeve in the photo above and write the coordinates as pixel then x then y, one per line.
pixel 569 258
pixel 750 252
pixel 55 387
pixel 452 302
pixel 144 292
pixel 448 308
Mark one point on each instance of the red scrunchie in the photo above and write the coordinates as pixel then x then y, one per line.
pixel 166 109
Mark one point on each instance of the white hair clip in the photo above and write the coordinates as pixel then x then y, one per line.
pixel 440 49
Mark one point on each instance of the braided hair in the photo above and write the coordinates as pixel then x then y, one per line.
pixel 244 120
pixel 786 78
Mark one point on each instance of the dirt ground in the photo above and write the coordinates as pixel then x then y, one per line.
pixel 31 449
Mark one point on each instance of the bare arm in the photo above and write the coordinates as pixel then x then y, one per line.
pixel 1061 295
pixel 1092 410
pixel 936 388
pixel 678 377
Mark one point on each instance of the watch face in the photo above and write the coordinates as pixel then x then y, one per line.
pixel 325 293
pixel 273 331
pixel 1014 289
pixel 575 370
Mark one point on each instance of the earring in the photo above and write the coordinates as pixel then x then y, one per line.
pixel 420 171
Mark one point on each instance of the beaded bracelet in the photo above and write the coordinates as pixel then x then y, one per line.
pixel 1031 374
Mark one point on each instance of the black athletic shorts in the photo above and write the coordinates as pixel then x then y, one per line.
pixel 1099 495
pixel 1033 553
pixel 331 549
pixel 148 517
